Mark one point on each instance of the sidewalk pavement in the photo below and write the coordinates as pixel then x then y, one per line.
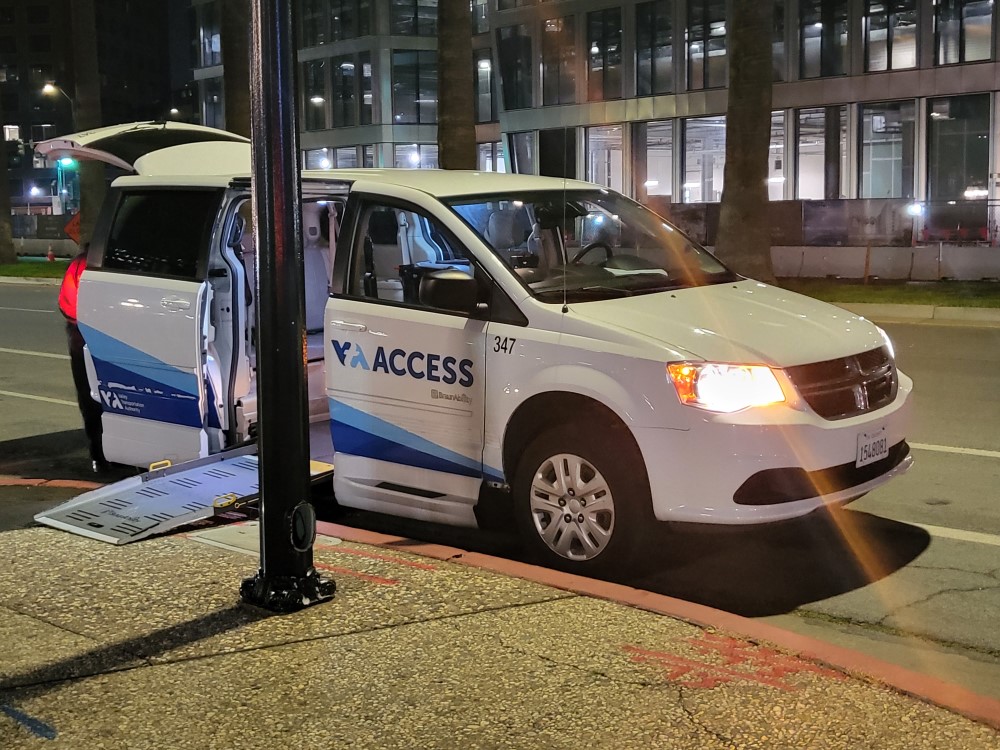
pixel 148 646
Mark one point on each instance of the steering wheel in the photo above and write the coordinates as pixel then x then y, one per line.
pixel 608 252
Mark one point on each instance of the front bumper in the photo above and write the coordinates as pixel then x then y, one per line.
pixel 769 464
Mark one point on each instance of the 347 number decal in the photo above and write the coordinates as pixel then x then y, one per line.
pixel 503 344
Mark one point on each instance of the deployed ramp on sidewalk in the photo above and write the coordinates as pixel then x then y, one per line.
pixel 165 499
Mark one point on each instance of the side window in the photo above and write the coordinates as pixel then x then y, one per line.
pixel 396 248
pixel 162 232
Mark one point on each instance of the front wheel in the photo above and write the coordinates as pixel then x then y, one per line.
pixel 582 502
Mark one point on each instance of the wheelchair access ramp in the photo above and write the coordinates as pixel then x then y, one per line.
pixel 167 498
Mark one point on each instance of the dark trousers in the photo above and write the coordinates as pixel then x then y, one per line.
pixel 89 409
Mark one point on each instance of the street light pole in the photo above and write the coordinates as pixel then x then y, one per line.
pixel 50 88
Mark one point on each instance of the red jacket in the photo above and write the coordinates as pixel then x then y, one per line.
pixel 71 286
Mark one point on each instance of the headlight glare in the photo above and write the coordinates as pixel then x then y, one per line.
pixel 724 387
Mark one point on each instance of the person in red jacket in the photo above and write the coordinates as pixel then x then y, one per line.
pixel 89 408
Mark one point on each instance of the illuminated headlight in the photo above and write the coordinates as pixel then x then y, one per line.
pixel 724 387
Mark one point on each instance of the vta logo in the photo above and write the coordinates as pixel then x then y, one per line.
pixel 436 368
pixel 111 399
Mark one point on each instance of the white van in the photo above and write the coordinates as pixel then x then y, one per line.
pixel 483 346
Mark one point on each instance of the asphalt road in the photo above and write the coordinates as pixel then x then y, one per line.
pixel 910 573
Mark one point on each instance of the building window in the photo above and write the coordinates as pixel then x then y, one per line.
pixel 8 45
pixel 314 22
pixel 823 38
pixel 890 34
pixel 365 61
pixel 604 42
pixel 887 150
pixel 776 158
pixel 368 156
pixel 558 61
pixel 40 43
pixel 523 152
pixel 653 160
pixel 209 35
pixel 514 52
pixel 778 42
pixel 11 133
pixel 6 16
pixel 483 77
pixel 958 147
pixel 604 156
pixel 343 87
pixel 415 156
pixel 8 73
pixel 706 43
pixel 314 90
pixel 414 86
pixel 413 17
pixel 480 17
pixel 213 105
pixel 654 48
pixel 963 30
pixel 37 14
pixel 704 159
pixel 491 157
pixel 821 153
pixel 511 4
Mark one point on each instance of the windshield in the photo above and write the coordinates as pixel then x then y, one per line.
pixel 586 245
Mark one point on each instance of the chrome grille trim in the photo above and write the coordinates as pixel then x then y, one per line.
pixel 847 386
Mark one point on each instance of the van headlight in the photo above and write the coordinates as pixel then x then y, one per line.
pixel 724 387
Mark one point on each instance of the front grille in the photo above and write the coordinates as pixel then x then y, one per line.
pixel 846 387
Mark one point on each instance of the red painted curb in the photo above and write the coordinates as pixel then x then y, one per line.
pixel 931 689
pixel 7 480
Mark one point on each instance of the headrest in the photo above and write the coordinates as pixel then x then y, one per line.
pixel 382 226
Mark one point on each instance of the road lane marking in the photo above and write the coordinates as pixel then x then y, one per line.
pixel 959 534
pixel 949 449
pixel 25 309
pixel 48 355
pixel 31 397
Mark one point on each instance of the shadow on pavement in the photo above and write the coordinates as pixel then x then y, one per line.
pixel 56 455
pixel 775 569
pixel 748 571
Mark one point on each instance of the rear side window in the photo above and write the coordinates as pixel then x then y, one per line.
pixel 163 232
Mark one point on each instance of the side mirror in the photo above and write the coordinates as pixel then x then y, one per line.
pixel 449 289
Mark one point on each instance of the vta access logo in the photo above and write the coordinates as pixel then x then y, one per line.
pixel 418 365
pixel 111 400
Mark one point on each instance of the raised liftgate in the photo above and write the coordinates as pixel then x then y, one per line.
pixel 167 498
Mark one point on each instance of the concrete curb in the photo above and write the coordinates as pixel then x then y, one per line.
pixel 930 689
pixel 35 281
pixel 924 313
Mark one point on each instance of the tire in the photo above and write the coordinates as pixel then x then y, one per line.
pixel 581 499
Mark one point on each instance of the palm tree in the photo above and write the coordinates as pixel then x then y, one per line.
pixel 744 237
pixel 235 32
pixel 8 254
pixel 456 130
pixel 87 111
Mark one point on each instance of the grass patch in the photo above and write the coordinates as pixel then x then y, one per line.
pixel 34 269
pixel 938 293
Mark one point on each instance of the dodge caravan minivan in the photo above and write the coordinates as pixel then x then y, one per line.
pixel 481 347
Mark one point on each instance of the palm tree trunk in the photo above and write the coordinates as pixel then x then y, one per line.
pixel 744 236
pixel 235 33
pixel 87 110
pixel 456 115
pixel 8 254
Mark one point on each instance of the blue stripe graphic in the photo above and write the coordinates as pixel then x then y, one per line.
pixel 111 349
pixel 360 434
pixel 35 726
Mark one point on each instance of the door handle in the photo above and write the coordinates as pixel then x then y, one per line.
pixel 175 303
pixel 343 325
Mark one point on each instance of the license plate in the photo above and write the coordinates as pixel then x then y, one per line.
pixel 872 447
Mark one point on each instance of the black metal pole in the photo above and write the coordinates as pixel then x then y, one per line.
pixel 286 580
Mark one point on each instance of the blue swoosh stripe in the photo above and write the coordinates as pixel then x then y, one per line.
pixel 360 434
pixel 110 349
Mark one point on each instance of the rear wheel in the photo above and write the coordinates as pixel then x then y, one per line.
pixel 582 499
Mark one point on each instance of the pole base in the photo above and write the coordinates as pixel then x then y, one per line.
pixel 285 594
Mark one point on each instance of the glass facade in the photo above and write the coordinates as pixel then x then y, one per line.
pixel 887 150
pixel 326 21
pixel 414 86
pixel 483 82
pixel 823 49
pixel 958 147
pixel 821 153
pixel 704 159
pixel 513 48
pixel 654 47
pixel 706 44
pixel 604 56
pixel 413 17
pixel 605 165
pixel 415 156
pixel 558 61
pixel 890 34
pixel 963 30
pixel 653 159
